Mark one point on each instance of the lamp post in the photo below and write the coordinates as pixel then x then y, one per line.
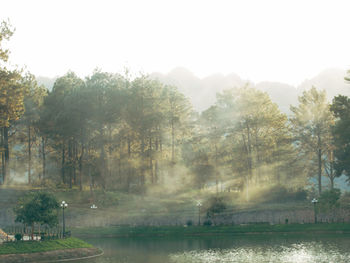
pixel 64 206
pixel 199 204
pixel 315 201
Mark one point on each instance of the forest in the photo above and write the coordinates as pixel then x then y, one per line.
pixel 118 132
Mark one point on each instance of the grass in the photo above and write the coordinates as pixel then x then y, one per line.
pixel 21 247
pixel 211 230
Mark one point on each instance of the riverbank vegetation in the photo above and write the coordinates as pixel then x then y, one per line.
pixel 168 231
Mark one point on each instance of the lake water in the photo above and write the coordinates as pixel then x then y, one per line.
pixel 215 249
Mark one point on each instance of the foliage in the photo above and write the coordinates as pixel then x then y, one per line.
pixel 189 222
pixel 311 123
pixel 6 32
pixel 329 199
pixel 215 205
pixel 37 207
pixel 207 222
pixel 341 109
pixel 18 236
pixel 111 131
pixel 279 194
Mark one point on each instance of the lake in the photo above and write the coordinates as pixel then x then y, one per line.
pixel 220 249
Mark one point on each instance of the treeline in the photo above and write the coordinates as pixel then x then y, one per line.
pixel 116 132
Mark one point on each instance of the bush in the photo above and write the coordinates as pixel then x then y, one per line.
pixel 280 194
pixel 329 199
pixel 207 222
pixel 215 205
pixel 18 236
pixel 189 223
pixel 345 200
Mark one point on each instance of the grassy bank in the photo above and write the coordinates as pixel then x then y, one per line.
pixel 21 247
pixel 211 230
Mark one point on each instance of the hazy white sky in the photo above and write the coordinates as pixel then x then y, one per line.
pixel 276 40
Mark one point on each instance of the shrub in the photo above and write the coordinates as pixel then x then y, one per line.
pixel 329 199
pixel 189 223
pixel 18 236
pixel 215 205
pixel 207 222
pixel 280 194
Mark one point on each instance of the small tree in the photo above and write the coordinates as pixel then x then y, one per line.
pixel 329 200
pixel 215 205
pixel 37 207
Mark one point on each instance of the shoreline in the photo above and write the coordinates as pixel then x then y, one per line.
pixel 179 231
pixel 64 255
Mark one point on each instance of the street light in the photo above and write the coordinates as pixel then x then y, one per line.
pixel 199 204
pixel 64 206
pixel 315 201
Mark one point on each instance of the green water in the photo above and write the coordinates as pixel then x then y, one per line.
pixel 257 249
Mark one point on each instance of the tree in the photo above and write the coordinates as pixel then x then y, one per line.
pixel 37 208
pixel 341 109
pixel 6 31
pixel 311 123
pixel 11 99
pixel 33 100
pixel 253 128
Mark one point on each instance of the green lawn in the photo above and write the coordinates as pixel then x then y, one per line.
pixel 20 247
pixel 211 230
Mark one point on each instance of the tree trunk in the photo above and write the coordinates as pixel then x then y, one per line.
pixel 142 177
pixel 102 159
pixel 6 153
pixel 216 170
pixel 128 179
pixel 150 160
pixel 319 157
pixel 63 163
pixel 70 163
pixel 120 161
pixel 43 142
pixel 81 168
pixel 2 156
pixel 172 141
pixel 32 234
pixel 156 163
pixel 29 156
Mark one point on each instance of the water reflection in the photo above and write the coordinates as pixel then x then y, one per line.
pixel 254 249
pixel 297 253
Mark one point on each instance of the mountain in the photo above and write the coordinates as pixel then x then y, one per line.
pixel 202 91
pixel 46 81
pixel 282 94
pixel 331 80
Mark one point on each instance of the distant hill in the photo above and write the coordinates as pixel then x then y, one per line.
pixel 332 80
pixel 202 91
pixel 47 82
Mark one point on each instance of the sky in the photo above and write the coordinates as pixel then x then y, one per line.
pixel 274 40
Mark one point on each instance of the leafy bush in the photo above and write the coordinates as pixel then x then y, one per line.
pixel 189 223
pixel 280 194
pixel 207 222
pixel 18 236
pixel 329 199
pixel 345 200
pixel 215 205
